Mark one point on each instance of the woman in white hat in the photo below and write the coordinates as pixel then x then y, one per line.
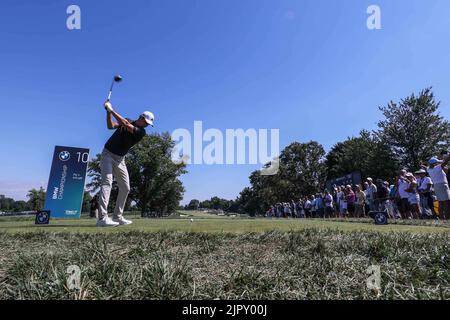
pixel 438 170
pixel 413 198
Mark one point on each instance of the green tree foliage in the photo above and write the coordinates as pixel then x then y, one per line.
pixel 205 204
pixel 414 129
pixel 36 199
pixel 302 172
pixel 365 153
pixel 6 204
pixel 193 204
pixel 20 206
pixel 155 186
pixel 86 202
pixel 215 203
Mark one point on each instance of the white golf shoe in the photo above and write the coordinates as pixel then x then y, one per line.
pixel 122 221
pixel 106 222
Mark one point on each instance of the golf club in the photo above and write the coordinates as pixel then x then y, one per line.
pixel 117 78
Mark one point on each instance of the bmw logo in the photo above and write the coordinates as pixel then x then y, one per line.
pixel 64 155
pixel 42 217
pixel 381 219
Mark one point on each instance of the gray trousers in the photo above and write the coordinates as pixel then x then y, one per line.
pixel 113 165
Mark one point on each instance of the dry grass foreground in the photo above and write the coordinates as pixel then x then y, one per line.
pixel 306 264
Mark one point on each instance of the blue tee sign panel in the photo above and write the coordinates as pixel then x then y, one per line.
pixel 65 187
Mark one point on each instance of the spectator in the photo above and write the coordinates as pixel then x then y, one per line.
pixel 320 206
pixel 313 206
pixel 393 205
pixel 442 156
pixel 365 188
pixel 328 199
pixel 438 173
pixel 307 207
pixel 294 209
pixel 280 210
pixel 360 202
pixel 425 186
pixel 382 195
pixel 414 199
pixel 335 201
pixel 371 194
pixel 287 210
pixel 351 199
pixel 300 211
pixel 342 202
pixel 403 184
pixel 270 212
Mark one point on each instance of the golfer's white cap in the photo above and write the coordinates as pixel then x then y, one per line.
pixel 148 117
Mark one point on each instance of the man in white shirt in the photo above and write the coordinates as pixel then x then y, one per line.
pixel 371 194
pixel 438 170
pixel 402 184
pixel 425 186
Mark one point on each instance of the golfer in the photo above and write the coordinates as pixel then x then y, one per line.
pixel 127 134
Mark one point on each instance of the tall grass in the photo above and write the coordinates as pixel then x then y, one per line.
pixel 309 264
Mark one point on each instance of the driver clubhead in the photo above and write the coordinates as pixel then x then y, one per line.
pixel 118 78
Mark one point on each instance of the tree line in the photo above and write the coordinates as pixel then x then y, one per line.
pixel 411 131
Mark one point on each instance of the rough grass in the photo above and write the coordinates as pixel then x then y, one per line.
pixel 307 264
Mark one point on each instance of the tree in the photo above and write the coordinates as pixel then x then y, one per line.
pixel 414 129
pixel 20 206
pixel 6 204
pixel 301 172
pixel 205 204
pixel 36 199
pixel 155 186
pixel 86 202
pixel 365 153
pixel 249 202
pixel 193 205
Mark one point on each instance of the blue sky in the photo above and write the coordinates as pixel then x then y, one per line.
pixel 310 68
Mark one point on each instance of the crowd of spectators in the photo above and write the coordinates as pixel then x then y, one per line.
pixel 411 195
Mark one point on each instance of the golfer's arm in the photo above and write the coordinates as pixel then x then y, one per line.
pixel 122 121
pixel 109 122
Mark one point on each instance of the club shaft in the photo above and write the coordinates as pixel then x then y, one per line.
pixel 110 90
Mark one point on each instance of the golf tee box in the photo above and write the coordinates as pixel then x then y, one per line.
pixel 65 187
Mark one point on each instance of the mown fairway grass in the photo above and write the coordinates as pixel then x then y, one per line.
pixel 225 258
pixel 214 224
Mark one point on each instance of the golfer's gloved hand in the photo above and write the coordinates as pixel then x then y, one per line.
pixel 108 106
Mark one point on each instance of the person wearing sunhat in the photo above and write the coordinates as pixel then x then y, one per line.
pixel 437 169
pixel 402 184
pixel 425 186
pixel 371 193
pixel 127 133
pixel 413 199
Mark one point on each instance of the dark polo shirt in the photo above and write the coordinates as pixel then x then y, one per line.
pixel 122 140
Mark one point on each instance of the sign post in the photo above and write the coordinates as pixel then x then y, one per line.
pixel 65 187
